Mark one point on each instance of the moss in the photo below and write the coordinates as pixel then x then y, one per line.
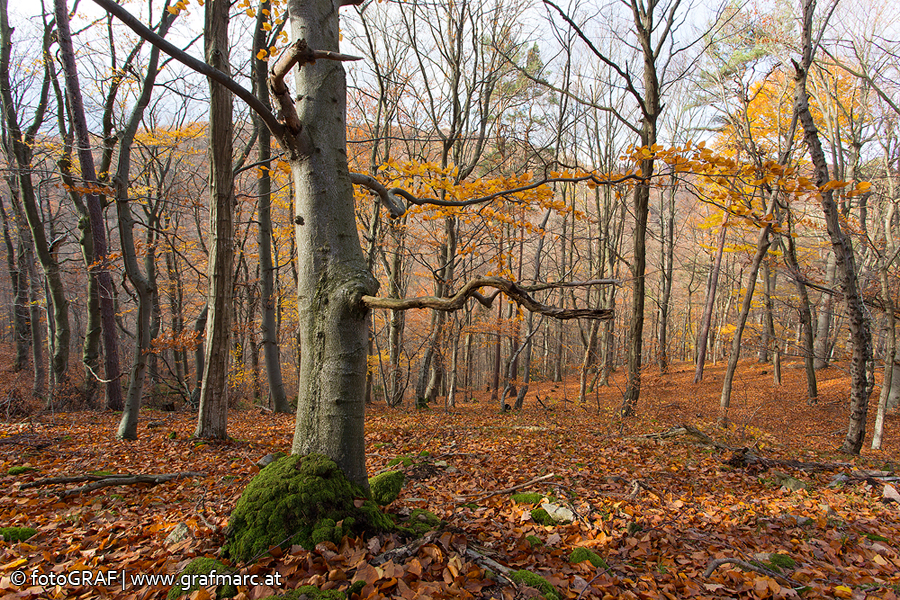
pixel 385 487
pixel 582 554
pixel 782 561
pixel 299 500
pixel 172 435
pixel 534 540
pixel 537 582
pixel 203 566
pixel 539 515
pixel 19 470
pixel 876 538
pixel 17 534
pixel 406 461
pixel 421 522
pixel 312 593
pixel 527 498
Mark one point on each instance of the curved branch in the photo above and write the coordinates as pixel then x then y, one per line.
pixel 390 196
pixel 390 201
pixel 197 65
pixel 516 292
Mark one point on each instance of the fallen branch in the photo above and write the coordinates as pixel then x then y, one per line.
pixel 401 553
pixel 745 457
pixel 507 490
pixel 489 563
pixel 747 566
pixel 690 430
pixel 101 481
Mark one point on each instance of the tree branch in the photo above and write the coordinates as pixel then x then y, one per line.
pixel 390 196
pixel 197 65
pixel 297 54
pixel 516 292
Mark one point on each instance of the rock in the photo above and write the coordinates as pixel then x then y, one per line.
pixel 178 534
pixel 839 479
pixel 269 459
pixel 559 514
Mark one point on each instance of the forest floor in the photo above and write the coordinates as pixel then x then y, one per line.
pixel 658 511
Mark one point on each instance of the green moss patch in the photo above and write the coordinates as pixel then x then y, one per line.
pixel 582 554
pixel 537 582
pixel 421 522
pixel 534 541
pixel 527 498
pixel 212 572
pixel 19 470
pixel 302 500
pixel 541 516
pixel 17 534
pixel 310 592
pixel 385 487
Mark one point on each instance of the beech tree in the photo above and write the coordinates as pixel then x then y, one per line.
pixel 335 288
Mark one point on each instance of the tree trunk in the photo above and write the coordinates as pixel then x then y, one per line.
pixel 19 149
pixel 332 274
pixel 860 335
pixel 809 355
pixel 95 211
pixel 213 417
pixel 762 247
pixel 825 316
pixel 709 307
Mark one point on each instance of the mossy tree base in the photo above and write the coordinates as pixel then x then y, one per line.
pixel 301 500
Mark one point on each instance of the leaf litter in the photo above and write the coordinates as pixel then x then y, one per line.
pixel 666 515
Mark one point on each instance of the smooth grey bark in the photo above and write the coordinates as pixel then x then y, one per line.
pixel 668 256
pixel 332 274
pixel 212 419
pixel 769 275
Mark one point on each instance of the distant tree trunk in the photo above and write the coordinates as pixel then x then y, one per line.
pixel 15 263
pixel 825 316
pixel 860 335
pixel 709 307
pixel 19 148
pixel 762 247
pixel 95 210
pixel 889 387
pixel 812 390
pixel 213 417
pixel 268 298
pixel 529 320
pixel 668 255
pixel 769 274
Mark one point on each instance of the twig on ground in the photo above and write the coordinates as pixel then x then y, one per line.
pixel 482 496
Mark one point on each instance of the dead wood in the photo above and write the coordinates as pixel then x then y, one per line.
pixel 101 481
pixel 401 553
pixel 747 566
pixel 482 496
pixel 747 458
pixel 685 429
